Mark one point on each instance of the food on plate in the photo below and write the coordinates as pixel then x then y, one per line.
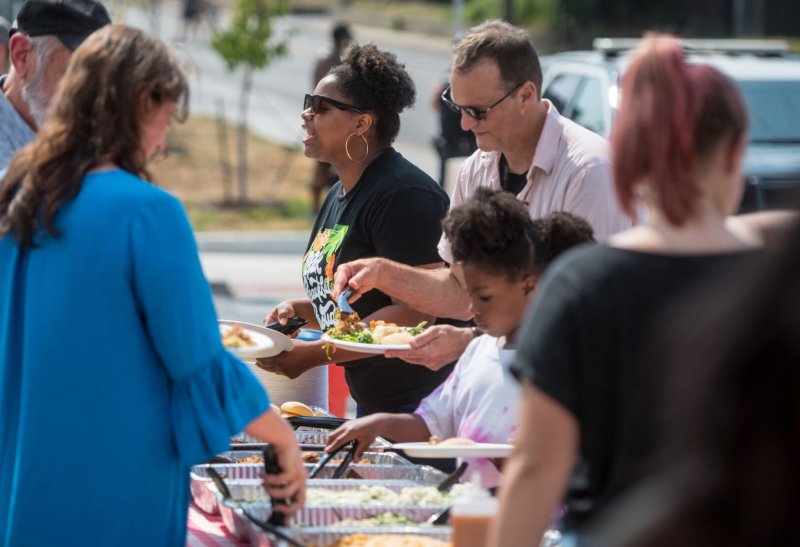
pixel 379 332
pixel 457 441
pixel 293 408
pixel 310 457
pixel 388 540
pixel 236 337
pixel 381 495
pixel 452 441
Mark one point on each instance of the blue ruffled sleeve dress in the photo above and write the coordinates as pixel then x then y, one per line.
pixel 113 378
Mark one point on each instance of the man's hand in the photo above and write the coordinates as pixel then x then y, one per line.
pixel 304 356
pixel 435 347
pixel 359 275
pixel 364 430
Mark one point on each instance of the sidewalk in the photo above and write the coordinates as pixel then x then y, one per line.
pixel 255 266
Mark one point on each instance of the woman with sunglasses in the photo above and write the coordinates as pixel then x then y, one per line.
pixel 381 206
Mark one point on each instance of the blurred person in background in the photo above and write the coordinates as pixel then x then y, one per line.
pixel 503 253
pixel 730 386
pixel 586 429
pixel 5 27
pixel 113 377
pixel 383 205
pixel 525 147
pixel 324 174
pixel 46 33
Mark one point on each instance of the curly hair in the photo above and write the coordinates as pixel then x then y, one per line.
pixel 96 117
pixel 373 80
pixel 558 232
pixel 494 230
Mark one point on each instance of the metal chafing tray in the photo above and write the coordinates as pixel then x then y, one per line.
pixel 321 517
pixel 384 466
pixel 251 496
pixel 324 536
pixel 306 436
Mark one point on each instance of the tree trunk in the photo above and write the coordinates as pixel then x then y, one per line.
pixel 224 154
pixel 241 144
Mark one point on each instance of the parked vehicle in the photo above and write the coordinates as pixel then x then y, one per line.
pixel 585 87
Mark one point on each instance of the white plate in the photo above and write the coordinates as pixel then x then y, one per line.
pixel 478 450
pixel 363 348
pixel 268 342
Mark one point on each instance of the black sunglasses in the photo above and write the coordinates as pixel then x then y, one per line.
pixel 477 113
pixel 313 102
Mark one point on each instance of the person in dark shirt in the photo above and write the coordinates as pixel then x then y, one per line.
pixel 726 474
pixel 381 206
pixel 586 427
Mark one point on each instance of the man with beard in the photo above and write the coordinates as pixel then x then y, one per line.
pixel 42 39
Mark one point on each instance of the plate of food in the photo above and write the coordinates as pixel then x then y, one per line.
pixel 455 447
pixel 378 337
pixel 248 341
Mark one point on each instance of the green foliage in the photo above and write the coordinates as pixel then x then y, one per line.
pixel 524 11
pixel 248 39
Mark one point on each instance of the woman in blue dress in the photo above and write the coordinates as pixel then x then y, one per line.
pixel 113 378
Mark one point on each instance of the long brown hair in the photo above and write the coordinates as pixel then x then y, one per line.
pixel 112 81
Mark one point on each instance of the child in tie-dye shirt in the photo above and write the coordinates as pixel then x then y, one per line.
pixel 503 253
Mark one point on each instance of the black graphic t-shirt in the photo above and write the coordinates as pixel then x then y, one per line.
pixel 394 211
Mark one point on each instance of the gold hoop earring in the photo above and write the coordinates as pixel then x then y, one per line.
pixel 347 147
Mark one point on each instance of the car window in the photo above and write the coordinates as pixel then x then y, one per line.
pixel 774 110
pixel 588 109
pixel 561 91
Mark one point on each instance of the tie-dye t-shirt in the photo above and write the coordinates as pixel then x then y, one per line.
pixel 479 401
pixel 394 211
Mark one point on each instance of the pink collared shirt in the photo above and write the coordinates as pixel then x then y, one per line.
pixel 571 172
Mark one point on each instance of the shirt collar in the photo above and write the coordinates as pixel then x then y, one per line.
pixel 549 139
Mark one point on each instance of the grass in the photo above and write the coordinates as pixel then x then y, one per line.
pixel 278 180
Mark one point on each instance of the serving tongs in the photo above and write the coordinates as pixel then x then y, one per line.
pixel 342 467
pixel 268 527
pixel 318 422
pixel 344 305
pixel 443 516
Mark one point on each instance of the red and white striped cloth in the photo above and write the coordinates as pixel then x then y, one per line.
pixel 207 530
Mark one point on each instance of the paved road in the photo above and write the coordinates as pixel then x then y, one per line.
pixel 275 103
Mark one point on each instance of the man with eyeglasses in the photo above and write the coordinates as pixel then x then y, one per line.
pixel 524 147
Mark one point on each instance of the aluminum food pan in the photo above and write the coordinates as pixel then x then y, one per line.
pixel 326 516
pixel 324 536
pixel 308 436
pixel 381 466
pixel 315 516
pixel 252 490
pixel 386 466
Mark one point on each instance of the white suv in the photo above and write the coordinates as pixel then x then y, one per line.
pixel 584 86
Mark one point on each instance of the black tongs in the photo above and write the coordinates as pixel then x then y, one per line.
pixel 266 526
pixel 319 422
pixel 340 470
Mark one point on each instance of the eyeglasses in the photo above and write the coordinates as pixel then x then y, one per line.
pixel 313 102
pixel 477 113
